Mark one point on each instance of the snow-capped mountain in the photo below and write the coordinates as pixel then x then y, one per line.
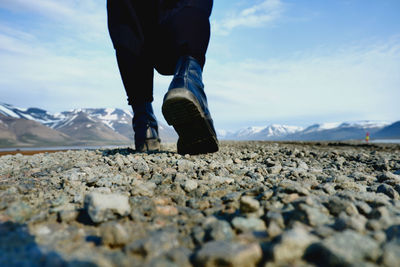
pixel 338 131
pixel 35 114
pixel 271 132
pixel 324 131
pixel 101 124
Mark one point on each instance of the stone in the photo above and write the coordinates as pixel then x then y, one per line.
pixel 347 248
pixel 184 165
pixel 290 187
pixel 167 210
pixel 68 215
pixel 313 216
pixel 143 189
pixel 190 185
pixel 224 253
pixel 292 245
pixel 140 165
pixel 389 178
pixel 19 212
pixel 155 244
pixel 103 207
pixel 388 190
pixel 275 216
pixel 275 169
pixel 355 222
pixel 219 230
pixel 248 224
pixel 249 204
pixel 393 232
pixel 273 229
pixel 114 234
pixel 391 254
pixel 337 205
pixel 179 256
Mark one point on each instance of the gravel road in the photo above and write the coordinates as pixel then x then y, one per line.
pixel 250 204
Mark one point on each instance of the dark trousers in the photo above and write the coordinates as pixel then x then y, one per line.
pixel 153 34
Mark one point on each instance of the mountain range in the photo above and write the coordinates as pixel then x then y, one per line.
pixel 37 127
pixel 107 126
pixel 317 132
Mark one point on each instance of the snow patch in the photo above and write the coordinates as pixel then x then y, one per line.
pixel 8 112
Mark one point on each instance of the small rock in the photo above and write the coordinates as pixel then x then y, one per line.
pixel 389 178
pixel 184 165
pixel 337 205
pixel 273 229
pixel 355 222
pixel 237 161
pixel 343 249
pixel 248 224
pixel 167 210
pixel 140 165
pixel 391 254
pixel 143 189
pixel 275 169
pixel 179 256
pixel 190 185
pixel 249 204
pixel 219 230
pixel 114 234
pixel 157 243
pixel 266 195
pixel 274 216
pixel 68 215
pixel 293 187
pixel 302 165
pixel 313 216
pixel 393 232
pixel 103 207
pixel 19 212
pixel 224 253
pixel 292 244
pixel 388 190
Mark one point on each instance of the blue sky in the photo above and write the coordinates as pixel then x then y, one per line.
pixel 269 61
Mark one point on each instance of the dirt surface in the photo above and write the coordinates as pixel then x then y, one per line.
pixel 250 204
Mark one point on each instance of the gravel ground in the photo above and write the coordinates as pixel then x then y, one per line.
pixel 251 204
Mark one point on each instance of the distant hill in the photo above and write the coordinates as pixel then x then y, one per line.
pixel 389 132
pixel 100 126
pixel 316 132
pixel 23 132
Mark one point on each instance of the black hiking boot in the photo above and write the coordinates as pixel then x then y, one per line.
pixel 145 126
pixel 185 108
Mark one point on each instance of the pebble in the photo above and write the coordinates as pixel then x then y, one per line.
pixel 114 234
pixel 103 207
pixel 224 253
pixel 190 185
pixel 388 190
pixel 292 245
pixel 248 224
pixel 344 249
pixel 249 204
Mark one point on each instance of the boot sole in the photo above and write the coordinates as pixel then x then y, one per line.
pixel 182 110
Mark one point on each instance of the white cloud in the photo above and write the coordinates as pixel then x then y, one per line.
pixel 257 15
pixel 358 81
pixel 85 19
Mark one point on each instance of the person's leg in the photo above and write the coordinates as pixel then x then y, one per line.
pixel 131 25
pixel 185 104
pixel 184 30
